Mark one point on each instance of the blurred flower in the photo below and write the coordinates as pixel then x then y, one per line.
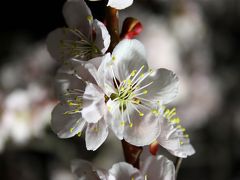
pixel 25 114
pixel 133 92
pixel 84 39
pixel 152 168
pixel 118 4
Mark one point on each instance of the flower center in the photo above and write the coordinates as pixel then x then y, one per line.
pixel 130 93
pixel 78 46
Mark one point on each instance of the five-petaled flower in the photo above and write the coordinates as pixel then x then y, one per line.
pixel 133 92
pixel 85 37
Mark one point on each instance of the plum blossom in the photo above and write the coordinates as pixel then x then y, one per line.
pixel 153 168
pixel 85 37
pixel 173 136
pixel 82 105
pixel 133 92
pixel 118 4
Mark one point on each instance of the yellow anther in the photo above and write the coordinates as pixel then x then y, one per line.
pixel 186 136
pixel 122 123
pixel 175 120
pixel 122 89
pixel 179 126
pixel 130 125
pixel 113 58
pixel 129 81
pixel 155 112
pixel 141 75
pixel 141 114
pixel 181 143
pixel 145 91
pixel 79 134
pixel 133 73
pixel 71 130
pixel 90 18
pixel 183 129
pixel 142 66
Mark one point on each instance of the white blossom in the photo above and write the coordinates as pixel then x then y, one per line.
pixel 153 168
pixel 133 92
pixel 118 4
pixel 82 106
pixel 85 37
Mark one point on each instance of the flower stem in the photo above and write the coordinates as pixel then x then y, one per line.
pixel 131 153
pixel 177 165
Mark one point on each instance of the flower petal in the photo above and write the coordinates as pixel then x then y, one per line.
pixel 164 86
pixel 76 14
pixel 55 44
pixel 65 80
pixel 173 139
pixel 120 4
pixel 102 40
pixel 114 119
pixel 158 167
pixel 124 170
pixel 127 56
pixel 84 170
pixel 64 125
pixel 96 134
pixel 93 103
pixel 145 129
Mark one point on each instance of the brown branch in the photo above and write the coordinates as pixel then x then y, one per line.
pixel 112 24
pixel 131 153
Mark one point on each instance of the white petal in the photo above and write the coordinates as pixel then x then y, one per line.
pixel 114 119
pixel 158 167
pixel 84 170
pixel 96 134
pixel 93 103
pixel 145 129
pixel 120 4
pixel 102 40
pixel 76 13
pixel 92 66
pixel 164 86
pixel 124 171
pixel 66 126
pixel 65 80
pixel 128 55
pixel 105 75
pixel 174 140
pixel 55 41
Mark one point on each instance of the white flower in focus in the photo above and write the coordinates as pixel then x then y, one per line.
pixel 153 168
pixel 118 4
pixel 82 105
pixel 85 38
pixel 173 136
pixel 133 92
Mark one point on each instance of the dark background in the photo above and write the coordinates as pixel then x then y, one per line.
pixel 217 142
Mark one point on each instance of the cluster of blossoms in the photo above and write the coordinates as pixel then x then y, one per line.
pixel 101 91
